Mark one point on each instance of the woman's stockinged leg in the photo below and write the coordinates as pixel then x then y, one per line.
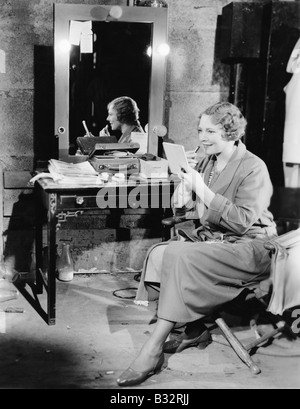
pixel 150 358
pixel 195 328
pixel 195 334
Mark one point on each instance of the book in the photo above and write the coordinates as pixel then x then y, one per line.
pixel 87 143
pixel 79 174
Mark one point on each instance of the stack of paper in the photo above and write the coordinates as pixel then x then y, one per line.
pixel 78 173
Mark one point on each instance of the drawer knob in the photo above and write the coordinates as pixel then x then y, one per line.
pixel 79 200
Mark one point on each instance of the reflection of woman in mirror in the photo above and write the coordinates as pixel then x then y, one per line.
pixel 123 115
pixel 291 145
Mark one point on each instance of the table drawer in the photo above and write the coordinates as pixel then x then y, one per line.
pixel 120 197
pixel 77 201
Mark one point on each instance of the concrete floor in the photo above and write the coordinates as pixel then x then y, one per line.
pixel 97 335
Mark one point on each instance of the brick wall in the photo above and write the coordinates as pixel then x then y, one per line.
pixel 195 79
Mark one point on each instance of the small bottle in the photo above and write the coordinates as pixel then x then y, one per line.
pixel 65 265
pixel 7 270
pixel 7 292
pixel 7 295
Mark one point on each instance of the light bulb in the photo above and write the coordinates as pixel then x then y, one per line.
pixel 160 130
pixel 163 49
pixel 65 46
pixel 116 12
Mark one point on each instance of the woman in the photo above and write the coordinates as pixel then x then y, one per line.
pixel 230 191
pixel 123 115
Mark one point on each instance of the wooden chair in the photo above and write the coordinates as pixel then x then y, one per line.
pixel 256 299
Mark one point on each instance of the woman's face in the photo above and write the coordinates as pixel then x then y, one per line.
pixel 112 119
pixel 211 136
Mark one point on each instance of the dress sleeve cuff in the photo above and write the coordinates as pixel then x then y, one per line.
pixel 216 208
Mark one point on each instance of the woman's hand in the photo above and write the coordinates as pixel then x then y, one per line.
pixel 191 179
pixel 104 131
pixel 191 157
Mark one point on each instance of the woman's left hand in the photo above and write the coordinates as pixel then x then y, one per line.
pixel 191 178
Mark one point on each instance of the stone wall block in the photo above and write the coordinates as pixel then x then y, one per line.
pixel 187 107
pixel 16 115
pixel 109 249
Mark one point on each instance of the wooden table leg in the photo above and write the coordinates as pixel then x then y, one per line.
pixel 38 248
pixel 51 238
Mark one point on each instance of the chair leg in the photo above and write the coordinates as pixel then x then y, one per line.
pixel 263 338
pixel 237 346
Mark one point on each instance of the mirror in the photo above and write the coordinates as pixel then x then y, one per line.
pixel 117 65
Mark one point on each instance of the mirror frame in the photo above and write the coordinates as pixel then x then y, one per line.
pixel 63 14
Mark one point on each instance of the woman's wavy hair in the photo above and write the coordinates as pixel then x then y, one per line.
pixel 229 117
pixel 126 109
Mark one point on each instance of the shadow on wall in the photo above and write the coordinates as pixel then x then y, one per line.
pixel 221 71
pixel 20 235
pixel 249 42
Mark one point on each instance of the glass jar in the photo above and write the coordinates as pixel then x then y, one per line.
pixel 65 265
pixel 7 270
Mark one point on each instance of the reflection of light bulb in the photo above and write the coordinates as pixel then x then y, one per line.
pixel 116 12
pixel 163 49
pixel 65 46
pixel 149 51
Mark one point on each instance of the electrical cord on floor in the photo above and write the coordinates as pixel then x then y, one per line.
pixel 125 289
pixel 137 277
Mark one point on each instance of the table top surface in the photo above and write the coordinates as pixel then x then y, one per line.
pixel 95 183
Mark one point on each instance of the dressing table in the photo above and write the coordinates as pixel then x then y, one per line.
pixel 57 202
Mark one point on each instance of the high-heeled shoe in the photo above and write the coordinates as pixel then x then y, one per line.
pixel 180 343
pixel 131 377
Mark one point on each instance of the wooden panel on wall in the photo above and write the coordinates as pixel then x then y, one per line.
pixel 16 179
pixel 258 40
pixel 241 30
pixel 284 33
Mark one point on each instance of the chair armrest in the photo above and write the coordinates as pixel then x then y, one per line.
pixel 285 240
pixel 269 246
pixel 171 221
